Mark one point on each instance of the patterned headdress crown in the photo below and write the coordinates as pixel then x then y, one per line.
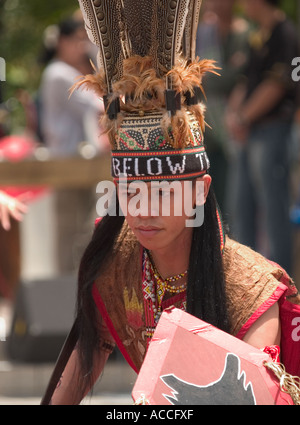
pixel 151 84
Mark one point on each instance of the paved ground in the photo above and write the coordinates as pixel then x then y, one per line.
pixel 25 383
pixel 22 383
pixel 99 400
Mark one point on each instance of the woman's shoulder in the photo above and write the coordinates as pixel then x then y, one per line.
pixel 252 283
pixel 241 260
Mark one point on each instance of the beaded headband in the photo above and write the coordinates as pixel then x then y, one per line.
pixel 151 84
pixel 142 152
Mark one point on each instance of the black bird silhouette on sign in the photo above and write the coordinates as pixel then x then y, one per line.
pixel 230 389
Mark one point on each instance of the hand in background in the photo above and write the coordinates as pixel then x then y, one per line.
pixel 236 128
pixel 11 207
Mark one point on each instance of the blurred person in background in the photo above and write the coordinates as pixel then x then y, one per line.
pixel 66 123
pixel 221 36
pixel 260 118
pixel 67 120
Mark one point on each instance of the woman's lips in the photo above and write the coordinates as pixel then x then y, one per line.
pixel 148 231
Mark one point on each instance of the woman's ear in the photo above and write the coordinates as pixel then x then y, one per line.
pixel 202 188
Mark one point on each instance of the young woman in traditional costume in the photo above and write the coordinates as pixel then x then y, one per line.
pixel 138 265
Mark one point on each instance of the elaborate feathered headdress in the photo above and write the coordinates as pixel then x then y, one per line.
pixel 151 84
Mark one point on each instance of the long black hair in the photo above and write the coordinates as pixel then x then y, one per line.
pixel 206 297
pixel 65 28
pixel 94 258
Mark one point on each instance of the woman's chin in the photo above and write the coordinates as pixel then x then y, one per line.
pixel 150 240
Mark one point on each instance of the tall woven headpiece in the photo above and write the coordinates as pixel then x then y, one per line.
pixel 151 84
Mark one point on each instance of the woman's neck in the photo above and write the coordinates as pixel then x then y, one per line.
pixel 173 260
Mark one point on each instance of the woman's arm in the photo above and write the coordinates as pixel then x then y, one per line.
pixel 73 387
pixel 68 391
pixel 266 329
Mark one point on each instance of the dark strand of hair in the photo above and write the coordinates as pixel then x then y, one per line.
pixel 206 298
pixel 94 257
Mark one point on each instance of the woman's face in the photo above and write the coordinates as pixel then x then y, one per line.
pixel 163 215
pixel 74 48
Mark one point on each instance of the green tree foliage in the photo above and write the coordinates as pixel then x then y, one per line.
pixel 22 25
pixel 291 8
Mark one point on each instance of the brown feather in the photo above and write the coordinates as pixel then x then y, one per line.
pixel 186 76
pixel 198 112
pixel 178 126
pixel 138 15
pixel 140 84
pixel 190 31
pixel 168 23
pixel 103 25
pixel 94 82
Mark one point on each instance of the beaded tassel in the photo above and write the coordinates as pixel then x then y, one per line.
pixel 154 289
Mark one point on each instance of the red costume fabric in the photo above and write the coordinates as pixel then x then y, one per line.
pixel 252 285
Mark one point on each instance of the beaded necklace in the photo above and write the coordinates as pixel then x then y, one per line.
pixel 154 289
pixel 164 285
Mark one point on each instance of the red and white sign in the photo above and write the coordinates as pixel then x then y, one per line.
pixel 192 362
